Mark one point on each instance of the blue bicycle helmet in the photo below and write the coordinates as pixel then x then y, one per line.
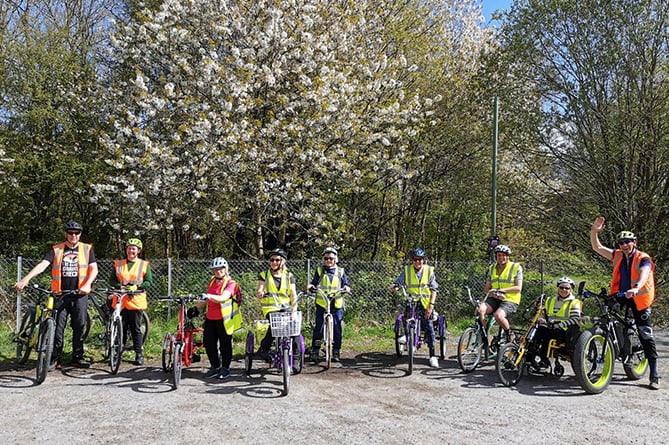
pixel 418 252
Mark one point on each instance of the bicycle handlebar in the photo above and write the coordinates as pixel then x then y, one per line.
pixel 121 291
pixel 183 299
pixel 57 293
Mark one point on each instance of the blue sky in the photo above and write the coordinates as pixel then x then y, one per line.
pixel 490 6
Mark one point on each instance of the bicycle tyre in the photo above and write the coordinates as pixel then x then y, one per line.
pixel 115 345
pixel 177 366
pixel 145 326
pixel 470 346
pixel 328 335
pixel 87 327
pixel 45 348
pixel 508 366
pixel 298 354
pixel 411 346
pixel 593 373
pixel 286 370
pixel 636 363
pixel 167 353
pixel 399 348
pixel 23 338
pixel 248 356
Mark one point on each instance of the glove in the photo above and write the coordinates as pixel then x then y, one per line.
pixel 193 312
pixel 132 287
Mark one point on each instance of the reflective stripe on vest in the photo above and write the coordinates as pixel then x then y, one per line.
pixel 133 276
pixel 646 295
pixel 330 286
pixel 564 313
pixel 282 294
pixel 417 287
pixel 230 311
pixel 83 256
pixel 506 279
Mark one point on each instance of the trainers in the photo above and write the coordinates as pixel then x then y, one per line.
pixel 315 355
pixel 139 359
pixel 434 362
pixel 80 363
pixel 654 383
pixel 224 372
pixel 54 365
pixel 213 372
pixel 402 340
pixel 335 356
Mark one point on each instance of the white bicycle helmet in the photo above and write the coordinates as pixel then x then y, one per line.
pixel 218 262
pixel 566 280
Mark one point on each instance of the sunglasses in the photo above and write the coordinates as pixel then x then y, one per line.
pixel 564 288
pixel 418 259
pixel 73 233
pixel 624 242
pixel 326 258
pixel 275 260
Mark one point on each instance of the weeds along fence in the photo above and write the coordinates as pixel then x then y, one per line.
pixel 370 302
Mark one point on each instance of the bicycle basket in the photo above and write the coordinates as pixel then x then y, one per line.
pixel 285 324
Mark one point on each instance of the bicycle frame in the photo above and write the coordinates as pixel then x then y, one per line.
pixel 328 320
pixel 409 323
pixel 476 342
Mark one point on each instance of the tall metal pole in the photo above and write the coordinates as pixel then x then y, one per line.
pixel 493 219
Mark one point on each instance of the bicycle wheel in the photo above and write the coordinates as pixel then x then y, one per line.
pixel 411 346
pixel 509 365
pixel 399 347
pixel 328 336
pixel 87 327
pixel 592 365
pixel 24 336
pixel 115 345
pixel 298 354
pixel 286 370
pixel 177 364
pixel 248 356
pixel 145 326
pixel 636 363
pixel 441 329
pixel 45 348
pixel 167 353
pixel 470 346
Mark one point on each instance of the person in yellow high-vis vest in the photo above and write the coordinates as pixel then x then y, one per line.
pixel 222 319
pixel 276 288
pixel 73 267
pixel 504 284
pixel 133 273
pixel 633 275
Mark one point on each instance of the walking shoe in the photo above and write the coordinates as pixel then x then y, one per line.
pixel 315 355
pixel 335 356
pixel 262 355
pixel 213 372
pixel 654 383
pixel 139 359
pixel 80 363
pixel 54 365
pixel 402 340
pixel 434 362
pixel 225 372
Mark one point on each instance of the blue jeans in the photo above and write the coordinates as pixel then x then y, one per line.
pixel 337 317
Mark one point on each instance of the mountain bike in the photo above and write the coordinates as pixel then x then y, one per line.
pixel 38 330
pixel 182 348
pixel 407 328
pixel 479 342
pixel 513 356
pixel 99 310
pixel 113 335
pixel 328 321
pixel 287 352
pixel 614 335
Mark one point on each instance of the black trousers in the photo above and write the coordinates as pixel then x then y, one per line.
pixel 74 306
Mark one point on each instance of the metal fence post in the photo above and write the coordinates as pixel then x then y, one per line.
pixel 19 262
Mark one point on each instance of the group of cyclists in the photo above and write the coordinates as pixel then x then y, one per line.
pixel 73 267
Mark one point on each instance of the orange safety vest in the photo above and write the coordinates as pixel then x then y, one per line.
pixel 131 276
pixel 84 253
pixel 646 295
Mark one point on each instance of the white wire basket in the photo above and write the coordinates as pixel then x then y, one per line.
pixel 285 324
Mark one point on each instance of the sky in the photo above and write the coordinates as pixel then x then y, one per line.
pixel 490 6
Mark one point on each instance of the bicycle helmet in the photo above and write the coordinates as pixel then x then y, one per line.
pixel 625 234
pixel 331 250
pixel 566 280
pixel 134 242
pixel 418 252
pixel 503 248
pixel 218 262
pixel 73 225
pixel 278 252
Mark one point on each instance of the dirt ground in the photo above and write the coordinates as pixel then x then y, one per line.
pixel 367 398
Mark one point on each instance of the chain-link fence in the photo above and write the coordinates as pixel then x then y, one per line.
pixel 371 301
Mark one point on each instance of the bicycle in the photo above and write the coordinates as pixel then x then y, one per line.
pixel 113 335
pixel 481 341
pixel 408 327
pixel 100 311
pixel 287 353
pixel 182 348
pixel 512 358
pixel 614 335
pixel 38 330
pixel 328 321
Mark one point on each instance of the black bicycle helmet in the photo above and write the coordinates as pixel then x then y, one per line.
pixel 418 252
pixel 278 252
pixel 73 225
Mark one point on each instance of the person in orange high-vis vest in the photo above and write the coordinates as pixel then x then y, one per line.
pixel 632 275
pixel 73 267
pixel 223 318
pixel 133 273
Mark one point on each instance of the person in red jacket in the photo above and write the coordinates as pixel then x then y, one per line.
pixel 633 275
